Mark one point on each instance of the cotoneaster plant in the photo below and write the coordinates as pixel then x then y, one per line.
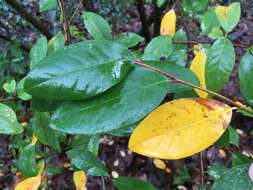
pixel 103 86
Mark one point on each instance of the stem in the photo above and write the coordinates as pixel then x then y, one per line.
pixel 65 25
pixel 201 168
pixel 143 18
pixel 225 99
pixel 28 17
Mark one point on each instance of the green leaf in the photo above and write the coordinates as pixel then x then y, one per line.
pixel 56 43
pixel 160 46
pixel 179 54
pixel 21 92
pixel 239 159
pixel 88 162
pixel 124 131
pixel 194 6
pixel 160 3
pixel 230 136
pixel 123 105
pixel 86 142
pixel 10 87
pixel 245 113
pixel 43 105
pixel 129 183
pixel 209 21
pixel 216 33
pixel 41 129
pixel 128 39
pixel 98 28
pixel 38 51
pixel 220 63
pixel 47 4
pixel 8 121
pixel 27 162
pixel 246 77
pixel 216 171
pixel 182 176
pixel 228 16
pixel 79 71
pixel 235 178
pixel 178 72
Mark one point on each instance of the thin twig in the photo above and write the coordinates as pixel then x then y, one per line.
pixel 225 99
pixel 65 27
pixel 201 168
pixel 74 13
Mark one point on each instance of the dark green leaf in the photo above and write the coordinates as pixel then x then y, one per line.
pixel 182 175
pixel 246 77
pixel 230 136
pixel 27 162
pixel 47 4
pixel 128 39
pixel 38 52
pixel 123 105
pixel 245 113
pixel 216 171
pixel 160 46
pixel 128 183
pixel 235 178
pixel 43 105
pixel 220 63
pixel 88 162
pixel 98 28
pixel 239 159
pixel 160 3
pixel 79 71
pixel 41 129
pixel 194 6
pixel 8 121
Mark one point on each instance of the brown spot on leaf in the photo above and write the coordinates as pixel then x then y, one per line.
pixel 210 104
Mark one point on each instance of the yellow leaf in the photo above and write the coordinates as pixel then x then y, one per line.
pixel 168 24
pixel 79 179
pixel 31 183
pixel 198 67
pixel 159 164
pixel 222 12
pixel 34 140
pixel 181 128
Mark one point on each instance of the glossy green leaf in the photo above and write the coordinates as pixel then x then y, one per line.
pixel 220 63
pixel 79 71
pixel 235 178
pixel 47 4
pixel 41 129
pixel 56 43
pixel 21 92
pixel 88 162
pixel 98 28
pixel 246 77
pixel 43 105
pixel 123 105
pixel 10 86
pixel 128 39
pixel 178 72
pixel 8 121
pixel 38 51
pixel 129 183
pixel 238 159
pixel 124 131
pixel 209 21
pixel 160 46
pixel 228 16
pixel 27 162
pixel 216 33
pixel 182 176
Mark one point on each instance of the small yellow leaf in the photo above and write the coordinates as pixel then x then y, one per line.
pixel 168 24
pixel 222 12
pixel 32 183
pixel 34 140
pixel 79 179
pixel 198 67
pixel 159 164
pixel 181 128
